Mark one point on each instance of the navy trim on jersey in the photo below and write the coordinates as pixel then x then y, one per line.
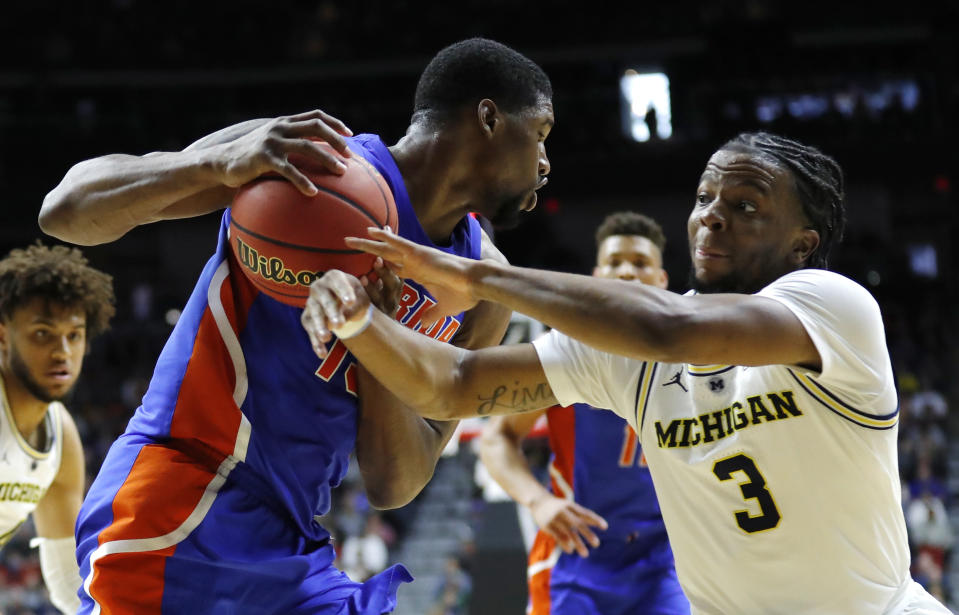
pixel 712 373
pixel 878 417
pixel 649 392
pixel 866 416
pixel 639 390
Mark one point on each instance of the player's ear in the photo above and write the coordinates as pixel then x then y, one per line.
pixel 487 114
pixel 804 245
pixel 663 279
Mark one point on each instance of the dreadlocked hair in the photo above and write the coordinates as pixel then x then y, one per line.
pixel 819 181
pixel 61 276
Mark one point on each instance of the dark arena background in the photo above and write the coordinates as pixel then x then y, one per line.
pixel 644 92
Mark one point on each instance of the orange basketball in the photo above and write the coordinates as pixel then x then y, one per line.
pixel 283 240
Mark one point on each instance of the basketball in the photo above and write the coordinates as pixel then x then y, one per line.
pixel 283 240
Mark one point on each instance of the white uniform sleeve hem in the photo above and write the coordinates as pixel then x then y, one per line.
pixel 553 361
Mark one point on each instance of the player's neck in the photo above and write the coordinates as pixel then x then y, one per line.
pixel 428 163
pixel 27 411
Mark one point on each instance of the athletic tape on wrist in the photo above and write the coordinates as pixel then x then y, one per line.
pixel 352 328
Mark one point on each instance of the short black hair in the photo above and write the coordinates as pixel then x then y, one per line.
pixel 631 223
pixel 469 71
pixel 819 181
pixel 60 275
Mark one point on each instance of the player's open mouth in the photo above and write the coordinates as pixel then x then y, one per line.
pixel 705 252
pixel 59 375
pixel 534 198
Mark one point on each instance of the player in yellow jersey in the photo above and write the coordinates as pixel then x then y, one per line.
pixel 764 400
pixel 52 303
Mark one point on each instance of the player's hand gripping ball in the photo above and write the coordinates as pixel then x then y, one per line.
pixel 283 240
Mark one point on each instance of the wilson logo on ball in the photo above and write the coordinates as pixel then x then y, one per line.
pixel 272 268
pixel 283 240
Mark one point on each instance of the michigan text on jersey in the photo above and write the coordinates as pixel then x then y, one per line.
pixel 712 426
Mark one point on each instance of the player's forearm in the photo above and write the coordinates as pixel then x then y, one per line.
pixel 505 462
pixel 442 382
pixel 100 200
pixel 396 449
pixel 399 459
pixel 419 371
pixel 611 315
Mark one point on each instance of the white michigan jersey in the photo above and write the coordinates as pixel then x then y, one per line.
pixel 25 473
pixel 779 485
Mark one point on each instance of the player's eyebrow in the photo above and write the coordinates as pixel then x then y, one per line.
pixel 41 319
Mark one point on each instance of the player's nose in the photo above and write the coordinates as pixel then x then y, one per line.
pixel 627 273
pixel 544 166
pixel 62 349
pixel 713 217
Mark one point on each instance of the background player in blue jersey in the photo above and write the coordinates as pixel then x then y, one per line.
pixel 207 503
pixel 626 567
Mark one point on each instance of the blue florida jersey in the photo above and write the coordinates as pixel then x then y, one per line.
pixel 242 399
pixel 597 462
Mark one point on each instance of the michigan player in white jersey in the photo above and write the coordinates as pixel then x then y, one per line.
pixel 764 400
pixel 51 304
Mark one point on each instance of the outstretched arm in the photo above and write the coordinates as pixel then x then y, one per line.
pixel 438 381
pixel 101 199
pixel 502 454
pixel 396 448
pixel 633 320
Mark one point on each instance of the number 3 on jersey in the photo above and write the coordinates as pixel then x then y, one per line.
pixel 755 488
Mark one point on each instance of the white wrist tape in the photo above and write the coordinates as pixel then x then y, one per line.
pixel 58 563
pixel 352 328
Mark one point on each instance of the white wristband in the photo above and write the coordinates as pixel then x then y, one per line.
pixel 352 328
pixel 58 564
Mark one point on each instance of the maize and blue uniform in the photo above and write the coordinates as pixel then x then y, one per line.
pixel 597 463
pixel 208 503
pixel 779 483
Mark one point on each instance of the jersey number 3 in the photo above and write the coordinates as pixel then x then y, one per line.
pixel 755 488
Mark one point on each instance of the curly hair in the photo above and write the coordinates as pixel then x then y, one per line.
pixel 819 182
pixel 631 223
pixel 60 275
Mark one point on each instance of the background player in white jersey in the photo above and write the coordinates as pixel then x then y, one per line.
pixel 765 402
pixel 52 303
pixel 601 493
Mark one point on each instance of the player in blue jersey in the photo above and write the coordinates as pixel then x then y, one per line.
pixel 599 479
pixel 208 502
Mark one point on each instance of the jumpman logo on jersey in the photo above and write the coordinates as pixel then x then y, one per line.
pixel 676 380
